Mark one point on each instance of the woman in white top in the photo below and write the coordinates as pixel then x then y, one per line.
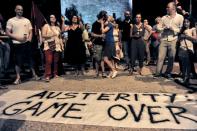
pixel 52 32
pixel 186 50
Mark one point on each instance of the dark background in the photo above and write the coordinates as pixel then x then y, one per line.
pixel 149 9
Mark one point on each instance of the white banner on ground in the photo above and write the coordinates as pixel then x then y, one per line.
pixel 133 110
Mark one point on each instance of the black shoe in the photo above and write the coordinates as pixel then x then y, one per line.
pixel 131 72
pixel 180 74
pixel 168 76
pixel 126 68
pixel 184 82
pixel 104 75
pixel 194 76
pixel 157 75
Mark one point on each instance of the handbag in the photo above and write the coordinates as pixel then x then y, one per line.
pixel 51 44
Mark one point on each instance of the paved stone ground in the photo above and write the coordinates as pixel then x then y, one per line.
pixel 123 83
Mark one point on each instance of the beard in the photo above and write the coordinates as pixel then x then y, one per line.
pixel 20 14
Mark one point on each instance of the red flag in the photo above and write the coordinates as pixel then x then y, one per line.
pixel 38 19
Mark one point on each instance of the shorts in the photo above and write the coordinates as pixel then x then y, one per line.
pixel 98 53
pixel 23 54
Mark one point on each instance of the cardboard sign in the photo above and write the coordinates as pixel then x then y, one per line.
pixel 133 110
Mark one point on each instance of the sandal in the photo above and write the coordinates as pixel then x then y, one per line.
pixel 17 81
pixel 47 79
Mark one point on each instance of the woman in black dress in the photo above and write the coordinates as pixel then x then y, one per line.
pixel 75 48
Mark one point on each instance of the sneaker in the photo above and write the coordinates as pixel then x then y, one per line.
pixel 130 72
pixel 47 79
pixel 147 63
pixel 104 75
pixel 96 75
pixel 157 75
pixel 114 74
pixel 56 76
pixel 17 81
pixel 126 68
pixel 36 78
pixel 168 76
pixel 140 72
pixel 110 75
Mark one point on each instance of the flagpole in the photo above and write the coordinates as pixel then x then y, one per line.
pixel 190 8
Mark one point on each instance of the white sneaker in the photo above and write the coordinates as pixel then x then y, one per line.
pixel 110 75
pixel 114 74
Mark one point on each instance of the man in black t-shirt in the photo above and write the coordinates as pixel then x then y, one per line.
pixel 98 43
pixel 126 29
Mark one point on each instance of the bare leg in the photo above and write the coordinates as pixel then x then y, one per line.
pixel 17 68
pixel 35 77
pixel 18 78
pixel 103 66
pixel 33 72
pixel 97 69
pixel 109 63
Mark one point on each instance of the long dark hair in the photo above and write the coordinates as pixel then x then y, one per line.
pixel 56 22
pixel 190 19
pixel 70 12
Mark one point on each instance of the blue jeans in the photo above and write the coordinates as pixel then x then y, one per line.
pixel 4 56
pixel 126 51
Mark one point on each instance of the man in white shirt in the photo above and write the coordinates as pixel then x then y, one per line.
pixel 19 29
pixel 171 26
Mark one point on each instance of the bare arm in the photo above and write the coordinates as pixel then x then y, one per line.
pixel 30 35
pixel 96 35
pixel 12 36
pixel 131 30
pixel 104 29
pixel 193 37
pixel 64 27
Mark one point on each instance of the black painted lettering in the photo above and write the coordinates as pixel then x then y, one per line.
pixel 88 94
pixel 9 111
pixel 178 113
pixel 52 95
pixel 39 95
pixel 105 97
pixel 34 108
pixel 69 95
pixel 122 96
pixel 137 117
pixel 152 96
pixel 171 96
pixel 136 97
pixel 73 109
pixel 153 113
pixel 53 106
pixel 118 118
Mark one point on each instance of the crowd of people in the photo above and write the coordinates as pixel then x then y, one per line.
pixel 110 43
